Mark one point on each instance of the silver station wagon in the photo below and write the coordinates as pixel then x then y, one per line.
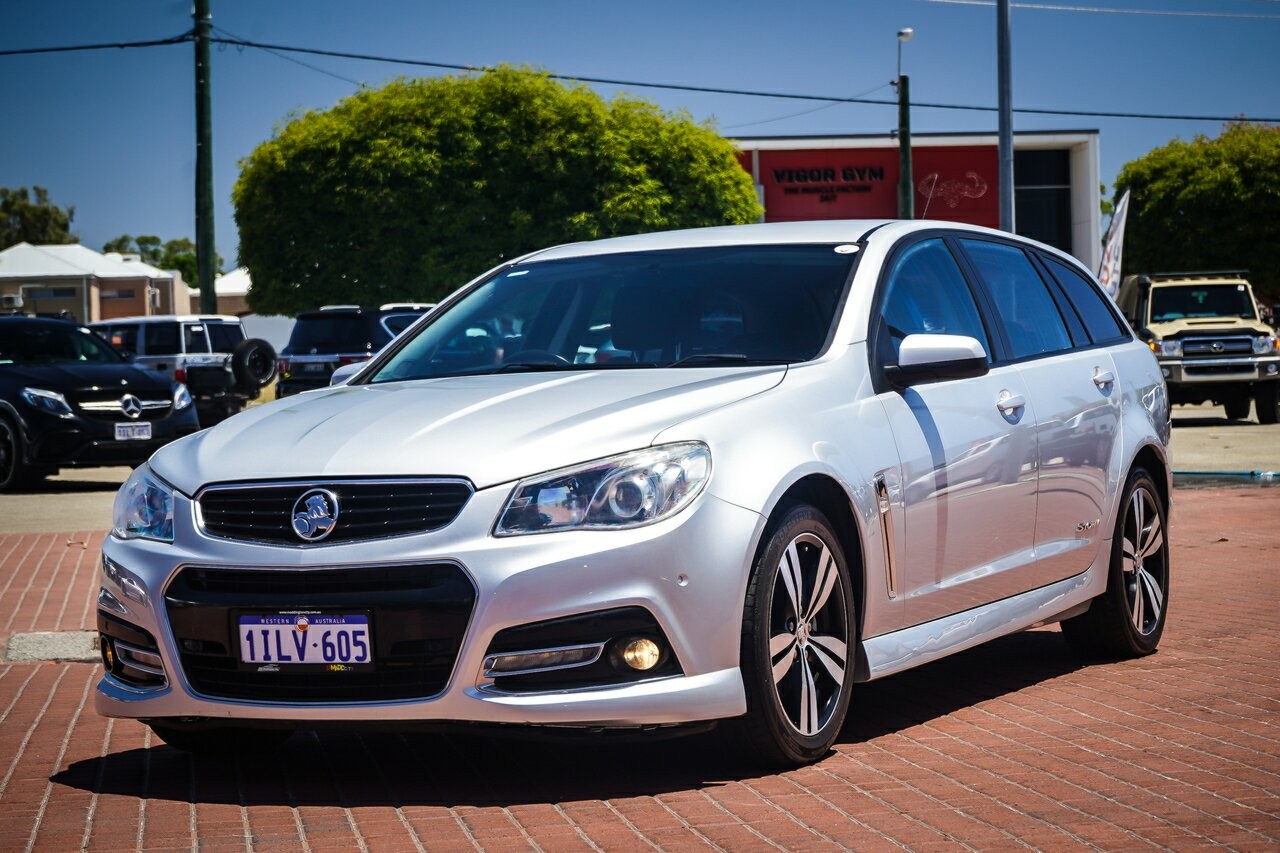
pixel 723 474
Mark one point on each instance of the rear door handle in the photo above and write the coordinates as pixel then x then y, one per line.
pixel 1103 378
pixel 1010 403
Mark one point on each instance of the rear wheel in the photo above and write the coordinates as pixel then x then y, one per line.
pixel 1264 398
pixel 1237 409
pixel 1127 620
pixel 798 631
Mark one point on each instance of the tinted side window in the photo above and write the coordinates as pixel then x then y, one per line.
pixel 123 338
pixel 195 339
pixel 397 323
pixel 927 293
pixel 161 339
pixel 1022 301
pixel 1089 303
pixel 224 336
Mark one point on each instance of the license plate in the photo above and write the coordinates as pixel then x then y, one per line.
pixel 315 367
pixel 133 432
pixel 312 638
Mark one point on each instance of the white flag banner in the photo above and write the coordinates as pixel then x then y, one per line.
pixel 1109 271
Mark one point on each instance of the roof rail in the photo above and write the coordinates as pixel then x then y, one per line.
pixel 406 306
pixel 339 307
pixel 1156 276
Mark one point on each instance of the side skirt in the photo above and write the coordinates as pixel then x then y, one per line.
pixel 920 644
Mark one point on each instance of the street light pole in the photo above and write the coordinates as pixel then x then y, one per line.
pixel 204 163
pixel 906 191
pixel 1004 63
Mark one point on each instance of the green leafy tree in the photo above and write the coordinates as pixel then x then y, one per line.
pixel 410 190
pixel 1207 204
pixel 33 220
pixel 178 254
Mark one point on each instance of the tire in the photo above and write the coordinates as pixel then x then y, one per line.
pixel 1264 399
pixel 15 473
pixel 1127 620
pixel 1237 409
pixel 798 675
pixel 210 741
pixel 253 363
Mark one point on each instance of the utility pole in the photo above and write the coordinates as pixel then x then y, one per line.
pixel 205 252
pixel 906 183
pixel 1005 83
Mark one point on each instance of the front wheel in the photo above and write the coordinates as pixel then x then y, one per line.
pixel 798 631
pixel 1127 620
pixel 1264 400
pixel 15 473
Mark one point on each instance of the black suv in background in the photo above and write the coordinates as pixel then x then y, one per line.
pixel 330 337
pixel 68 399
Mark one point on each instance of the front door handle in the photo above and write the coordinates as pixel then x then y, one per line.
pixel 1010 403
pixel 1103 378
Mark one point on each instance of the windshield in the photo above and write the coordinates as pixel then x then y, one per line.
pixel 736 305
pixel 1209 300
pixel 54 343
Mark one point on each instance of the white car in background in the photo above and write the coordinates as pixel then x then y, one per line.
pixel 816 454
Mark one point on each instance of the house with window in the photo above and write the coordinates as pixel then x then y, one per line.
pixel 85 284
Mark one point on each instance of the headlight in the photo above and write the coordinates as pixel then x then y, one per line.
pixel 47 401
pixel 625 491
pixel 181 397
pixel 1171 348
pixel 143 508
pixel 1264 344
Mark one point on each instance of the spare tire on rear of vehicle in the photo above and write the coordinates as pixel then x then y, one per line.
pixel 253 362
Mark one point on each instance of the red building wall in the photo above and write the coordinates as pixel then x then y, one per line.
pixel 954 183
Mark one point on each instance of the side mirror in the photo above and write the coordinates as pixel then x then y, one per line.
pixel 343 374
pixel 936 358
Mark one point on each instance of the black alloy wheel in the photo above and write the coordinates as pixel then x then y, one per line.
pixel 14 471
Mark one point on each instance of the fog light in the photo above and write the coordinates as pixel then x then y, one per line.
pixel 1165 371
pixel 108 654
pixel 641 654
pixel 1271 369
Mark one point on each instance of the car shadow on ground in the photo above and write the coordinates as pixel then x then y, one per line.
pixel 64 485
pixel 1210 421
pixel 352 768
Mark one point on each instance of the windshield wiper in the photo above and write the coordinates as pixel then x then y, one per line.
pixel 721 358
pixel 530 366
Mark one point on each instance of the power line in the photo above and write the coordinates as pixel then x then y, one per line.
pixel 27 51
pixel 278 55
pixel 606 81
pixel 1108 10
pixel 795 96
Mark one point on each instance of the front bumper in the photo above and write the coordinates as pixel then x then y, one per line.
pixel 1234 370
pixel 689 572
pixel 79 441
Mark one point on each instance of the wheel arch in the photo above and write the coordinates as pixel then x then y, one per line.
pixel 826 494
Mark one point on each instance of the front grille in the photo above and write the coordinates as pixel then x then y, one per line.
pixel 418 615
pixel 367 509
pixel 1216 347
pixel 98 406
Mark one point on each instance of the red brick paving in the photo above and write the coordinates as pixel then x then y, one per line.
pixel 1011 746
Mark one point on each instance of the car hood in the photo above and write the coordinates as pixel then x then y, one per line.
pixel 85 377
pixel 488 429
pixel 1209 326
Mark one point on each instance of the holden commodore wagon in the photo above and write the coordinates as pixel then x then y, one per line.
pixel 811 455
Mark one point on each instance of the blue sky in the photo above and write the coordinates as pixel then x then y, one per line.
pixel 112 132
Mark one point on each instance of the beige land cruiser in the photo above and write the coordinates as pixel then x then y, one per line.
pixel 1205 330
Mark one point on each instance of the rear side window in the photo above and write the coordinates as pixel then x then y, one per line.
pixel 224 336
pixel 123 337
pixel 161 339
pixel 1023 304
pixel 397 323
pixel 1099 321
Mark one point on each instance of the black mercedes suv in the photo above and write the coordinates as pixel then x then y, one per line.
pixel 68 399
